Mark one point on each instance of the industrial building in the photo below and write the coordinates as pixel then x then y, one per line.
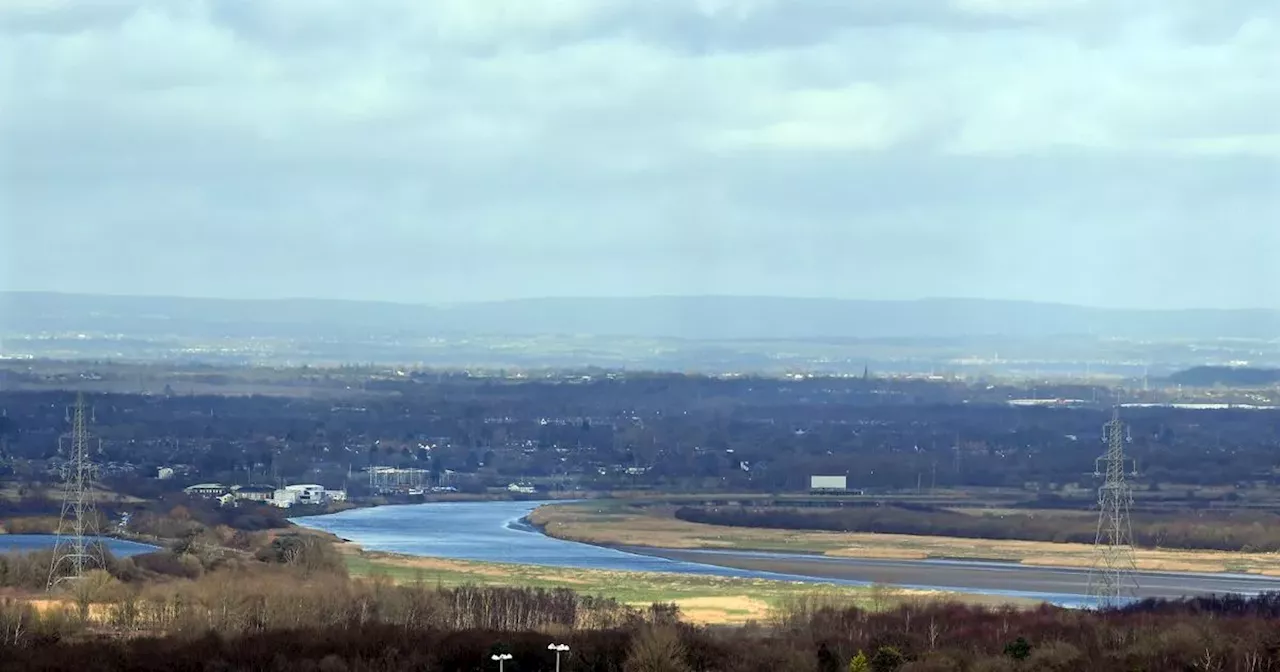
pixel 398 481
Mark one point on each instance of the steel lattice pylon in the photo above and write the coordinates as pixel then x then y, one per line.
pixel 77 547
pixel 1112 577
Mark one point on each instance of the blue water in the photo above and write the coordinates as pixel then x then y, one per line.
pixel 493 532
pixel 24 543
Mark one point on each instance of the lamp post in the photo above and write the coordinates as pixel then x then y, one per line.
pixel 501 658
pixel 559 649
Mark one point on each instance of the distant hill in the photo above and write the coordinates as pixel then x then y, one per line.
pixel 1227 376
pixel 707 318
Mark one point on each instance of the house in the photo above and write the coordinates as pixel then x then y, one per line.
pixel 228 499
pixel 206 490
pixel 164 473
pixel 254 493
pixel 308 494
pixel 284 498
pixel 304 495
pixel 521 488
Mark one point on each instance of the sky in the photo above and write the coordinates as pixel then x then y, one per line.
pixel 1101 152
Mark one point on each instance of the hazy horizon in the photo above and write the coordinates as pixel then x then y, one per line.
pixel 1078 152
pixel 623 297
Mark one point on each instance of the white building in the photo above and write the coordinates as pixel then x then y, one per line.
pixel 254 493
pixel 164 473
pixel 521 488
pixel 284 498
pixel 206 490
pixel 308 494
pixel 828 483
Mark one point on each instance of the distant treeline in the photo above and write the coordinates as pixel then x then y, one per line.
pixel 1227 376
pixel 690 434
pixel 1204 530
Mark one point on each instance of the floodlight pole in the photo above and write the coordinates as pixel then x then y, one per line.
pixel 559 649
pixel 501 658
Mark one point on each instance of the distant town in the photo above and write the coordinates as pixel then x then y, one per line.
pixel 312 437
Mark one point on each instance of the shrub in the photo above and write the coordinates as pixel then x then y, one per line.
pixel 656 649
pixel 1055 657
pixel 166 563
pixel 1018 649
pixel 887 659
pixel 309 553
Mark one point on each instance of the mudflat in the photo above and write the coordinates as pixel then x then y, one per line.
pixel 962 575
pixel 617 524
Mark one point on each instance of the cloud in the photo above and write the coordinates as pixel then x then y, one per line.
pixel 679 145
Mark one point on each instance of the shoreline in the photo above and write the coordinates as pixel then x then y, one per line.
pixel 925 571
pixel 694 555
pixel 700 597
pixel 1007 581
pixel 653 550
pixel 453 498
pixel 638 530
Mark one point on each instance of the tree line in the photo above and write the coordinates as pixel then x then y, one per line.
pixel 689 433
pixel 385 628
pixel 1247 531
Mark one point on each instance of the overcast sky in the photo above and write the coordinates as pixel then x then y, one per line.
pixel 1104 152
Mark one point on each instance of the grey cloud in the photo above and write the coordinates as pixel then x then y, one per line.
pixel 1073 150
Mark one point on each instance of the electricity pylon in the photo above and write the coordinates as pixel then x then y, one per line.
pixel 77 548
pixel 1113 575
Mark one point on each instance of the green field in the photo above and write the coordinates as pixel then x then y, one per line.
pixel 701 598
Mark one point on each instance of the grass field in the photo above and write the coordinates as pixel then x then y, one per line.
pixel 613 522
pixel 702 599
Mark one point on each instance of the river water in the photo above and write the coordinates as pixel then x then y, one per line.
pixel 494 532
pixel 25 543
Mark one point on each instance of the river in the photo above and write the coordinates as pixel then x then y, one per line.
pixel 494 532
pixel 25 543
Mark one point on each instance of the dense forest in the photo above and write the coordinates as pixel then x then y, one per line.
pixel 1246 531
pixel 660 431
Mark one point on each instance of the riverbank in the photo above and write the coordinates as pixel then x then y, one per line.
pixel 620 524
pixel 710 600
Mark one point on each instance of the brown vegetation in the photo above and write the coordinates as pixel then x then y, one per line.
pixel 293 607
pixel 280 621
pixel 1242 531
pixel 656 526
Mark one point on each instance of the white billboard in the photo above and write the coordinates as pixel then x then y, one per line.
pixel 828 482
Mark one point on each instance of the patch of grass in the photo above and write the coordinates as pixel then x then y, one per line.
pixel 707 599
pixel 622 523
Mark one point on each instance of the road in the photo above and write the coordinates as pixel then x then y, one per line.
pixel 968 576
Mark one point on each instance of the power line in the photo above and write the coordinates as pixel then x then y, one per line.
pixel 77 547
pixel 1113 575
